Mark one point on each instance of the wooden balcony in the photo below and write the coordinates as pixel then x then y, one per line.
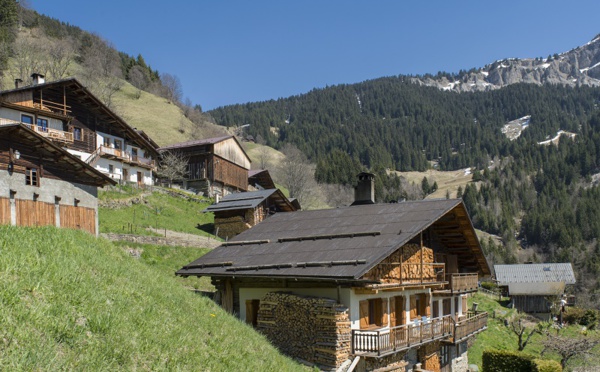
pixel 409 274
pixel 53 134
pixel 385 341
pixel 122 155
pixel 382 342
pixel 470 326
pixel 461 283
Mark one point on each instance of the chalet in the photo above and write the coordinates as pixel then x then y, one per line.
pixel 217 166
pixel 68 114
pixel 375 285
pixel 533 288
pixel 43 184
pixel 238 212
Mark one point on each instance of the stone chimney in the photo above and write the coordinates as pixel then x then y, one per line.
pixel 364 192
pixel 18 83
pixel 37 78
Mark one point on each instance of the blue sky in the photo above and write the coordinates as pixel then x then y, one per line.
pixel 227 52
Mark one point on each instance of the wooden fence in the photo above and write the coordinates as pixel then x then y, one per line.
pixel 78 218
pixel 4 211
pixel 34 213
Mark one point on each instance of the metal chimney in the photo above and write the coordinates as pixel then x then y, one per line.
pixel 18 83
pixel 37 78
pixel 364 192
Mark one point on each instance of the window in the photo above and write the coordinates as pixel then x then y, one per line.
pixel 42 124
pixel 106 141
pixel 31 177
pixel 77 134
pixel 118 144
pixel 111 169
pixel 444 355
pixel 373 313
pixel 27 119
pixel 419 306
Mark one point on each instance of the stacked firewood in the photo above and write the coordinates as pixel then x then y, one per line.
pixel 404 266
pixel 231 226
pixel 314 329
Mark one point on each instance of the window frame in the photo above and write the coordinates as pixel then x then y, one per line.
pixel 32 176
pixel 77 137
pixel 42 124
pixel 25 121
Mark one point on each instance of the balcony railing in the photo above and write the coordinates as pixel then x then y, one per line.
pixel 462 282
pixel 123 155
pixel 386 341
pixel 383 342
pixel 407 274
pixel 473 324
pixel 54 134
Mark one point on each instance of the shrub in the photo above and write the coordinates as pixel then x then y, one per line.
pixel 589 319
pixel 506 361
pixel 489 286
pixel 540 365
pixel 585 317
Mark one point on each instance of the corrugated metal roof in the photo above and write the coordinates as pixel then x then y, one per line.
pixel 535 273
pixel 239 200
pixel 204 141
pixel 331 235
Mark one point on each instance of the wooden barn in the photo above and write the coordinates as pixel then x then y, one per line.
pixel 534 288
pixel 238 212
pixel 43 184
pixel 217 166
pixel 69 115
pixel 378 286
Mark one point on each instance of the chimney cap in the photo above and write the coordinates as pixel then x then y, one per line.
pixel 36 74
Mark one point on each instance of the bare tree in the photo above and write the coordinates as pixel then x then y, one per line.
pixel 60 55
pixel 28 57
pixel 525 328
pixel 173 166
pixel 337 195
pixel 297 175
pixel 139 79
pixel 568 347
pixel 172 86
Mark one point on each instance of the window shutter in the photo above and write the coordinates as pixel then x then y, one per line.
pixel 393 319
pixel 384 312
pixel 400 310
pixel 426 306
pixel 413 307
pixel 363 307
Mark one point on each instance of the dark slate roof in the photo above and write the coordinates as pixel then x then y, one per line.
pixel 535 273
pixel 353 239
pixel 241 200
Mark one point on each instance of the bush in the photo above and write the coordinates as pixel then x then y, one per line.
pixel 540 365
pixel 506 361
pixel 490 286
pixel 585 317
pixel 589 319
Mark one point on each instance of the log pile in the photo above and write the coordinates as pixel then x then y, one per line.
pixel 228 227
pixel 404 266
pixel 314 329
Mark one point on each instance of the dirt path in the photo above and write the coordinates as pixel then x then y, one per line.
pixel 172 238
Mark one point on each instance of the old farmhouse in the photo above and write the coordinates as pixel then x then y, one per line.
pixel 216 166
pixel 66 113
pixel 376 285
pixel 42 184
pixel 534 288
pixel 238 212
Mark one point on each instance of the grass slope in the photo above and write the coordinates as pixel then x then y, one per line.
pixel 69 301
pixel 500 337
pixel 131 210
pixel 448 181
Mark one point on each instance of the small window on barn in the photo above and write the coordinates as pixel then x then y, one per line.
pixel 26 119
pixel 77 134
pixel 32 177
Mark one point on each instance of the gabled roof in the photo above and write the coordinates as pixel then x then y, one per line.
pixel 261 177
pixel 202 142
pixel 250 200
pixel 535 273
pixel 83 94
pixel 353 239
pixel 53 156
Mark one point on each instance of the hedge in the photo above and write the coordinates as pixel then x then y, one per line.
pixel 512 361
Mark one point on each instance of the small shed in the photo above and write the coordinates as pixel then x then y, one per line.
pixel 238 212
pixel 532 287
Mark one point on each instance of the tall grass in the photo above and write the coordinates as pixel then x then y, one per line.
pixel 69 301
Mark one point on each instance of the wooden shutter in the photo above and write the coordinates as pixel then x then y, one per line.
pixel 464 305
pixel 414 312
pixel 363 308
pixel 252 307
pixel 426 308
pixel 400 310
pixel 393 319
pixel 383 305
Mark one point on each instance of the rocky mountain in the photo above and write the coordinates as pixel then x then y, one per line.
pixel 579 66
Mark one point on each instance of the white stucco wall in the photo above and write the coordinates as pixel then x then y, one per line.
pixel 15 115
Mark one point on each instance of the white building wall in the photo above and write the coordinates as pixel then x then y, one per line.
pixel 15 115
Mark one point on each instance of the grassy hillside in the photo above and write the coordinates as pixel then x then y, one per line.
pixel 131 210
pixel 500 337
pixel 72 302
pixel 448 181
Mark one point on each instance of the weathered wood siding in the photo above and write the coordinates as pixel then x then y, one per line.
pixel 34 213
pixel 4 211
pixel 23 98
pixel 230 149
pixel 221 170
pixel 78 218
